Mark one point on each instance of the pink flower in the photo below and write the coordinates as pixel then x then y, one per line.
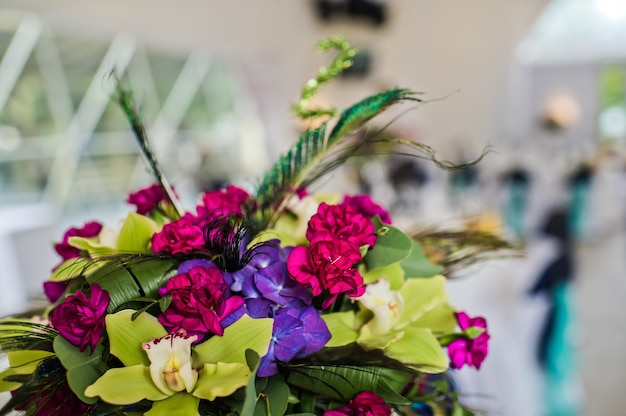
pixel 54 290
pixel 63 248
pixel 223 202
pixel 366 403
pixel 147 199
pixel 200 301
pixel 180 236
pixel 327 265
pixel 364 205
pixel 466 350
pixel 341 222
pixel 80 319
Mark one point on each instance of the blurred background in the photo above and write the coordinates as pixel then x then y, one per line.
pixel 542 81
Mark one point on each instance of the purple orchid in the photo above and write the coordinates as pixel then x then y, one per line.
pixel 296 333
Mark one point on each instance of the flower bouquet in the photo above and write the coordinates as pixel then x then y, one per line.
pixel 270 302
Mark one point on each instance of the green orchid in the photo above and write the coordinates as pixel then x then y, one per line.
pixel 168 370
pixel 401 323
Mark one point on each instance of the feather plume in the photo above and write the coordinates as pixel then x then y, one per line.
pixel 316 153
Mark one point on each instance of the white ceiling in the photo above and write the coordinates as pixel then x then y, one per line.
pixel 577 31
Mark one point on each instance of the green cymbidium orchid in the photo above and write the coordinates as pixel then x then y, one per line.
pixel 168 370
pixel 401 323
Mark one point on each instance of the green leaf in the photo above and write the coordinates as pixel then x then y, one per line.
pixel 250 400
pixel 392 245
pixel 419 349
pixel 82 367
pixel 136 233
pixel 153 274
pixel 334 382
pixel 221 380
pixel 179 404
pixel 118 282
pixel 126 335
pixel 276 395
pixel 390 395
pixel 393 273
pixel 342 327
pixel 126 385
pixel 246 333
pixel 418 265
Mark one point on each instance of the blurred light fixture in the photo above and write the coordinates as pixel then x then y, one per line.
pixel 561 112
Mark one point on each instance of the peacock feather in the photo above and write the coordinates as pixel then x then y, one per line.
pixel 316 152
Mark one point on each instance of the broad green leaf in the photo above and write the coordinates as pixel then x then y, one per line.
pixel 335 382
pixel 419 349
pixel 421 296
pixel 392 245
pixel 439 319
pixel 246 333
pixel 82 367
pixel 118 282
pixel 126 335
pixel 153 274
pixel 179 404
pixel 418 265
pixel 276 395
pixel 221 380
pixel 125 385
pixel 136 233
pixel 342 328
pixel 392 272
pixel 389 395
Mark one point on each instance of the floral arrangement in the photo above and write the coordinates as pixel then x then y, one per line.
pixel 272 302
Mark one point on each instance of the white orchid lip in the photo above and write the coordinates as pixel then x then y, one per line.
pixel 386 305
pixel 170 362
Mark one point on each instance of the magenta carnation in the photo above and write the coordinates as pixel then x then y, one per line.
pixel 54 290
pixel 469 351
pixel 180 236
pixel 223 202
pixel 327 265
pixel 147 199
pixel 200 301
pixel 65 250
pixel 80 319
pixel 366 403
pixel 341 222
pixel 364 205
